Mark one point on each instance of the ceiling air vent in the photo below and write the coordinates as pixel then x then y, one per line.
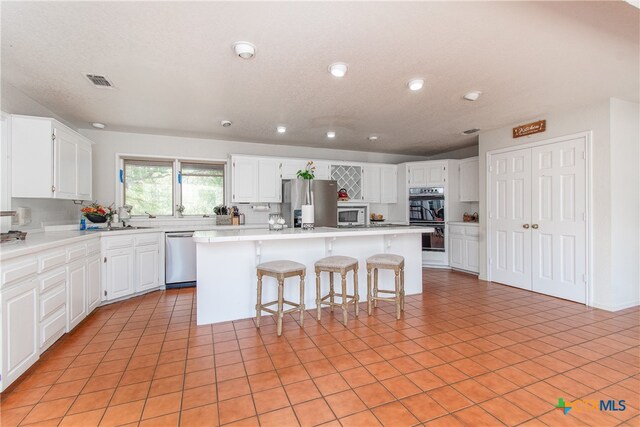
pixel 99 81
pixel 470 131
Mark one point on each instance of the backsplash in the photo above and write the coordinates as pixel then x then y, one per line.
pixel 47 212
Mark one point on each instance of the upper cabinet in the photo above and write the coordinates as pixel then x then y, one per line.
pixel 380 183
pixel 469 176
pixel 61 157
pixel 255 179
pixel 428 174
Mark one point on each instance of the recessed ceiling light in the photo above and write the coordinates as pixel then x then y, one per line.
pixel 373 138
pixel 331 134
pixel 225 123
pixel 339 69
pixel 415 84
pixel 244 50
pixel 97 125
pixel 281 129
pixel 472 96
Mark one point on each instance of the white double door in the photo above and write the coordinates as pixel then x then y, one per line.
pixel 537 219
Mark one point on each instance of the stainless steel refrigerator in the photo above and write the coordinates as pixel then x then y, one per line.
pixel 325 202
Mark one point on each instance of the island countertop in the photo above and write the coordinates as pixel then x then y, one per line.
pixel 219 236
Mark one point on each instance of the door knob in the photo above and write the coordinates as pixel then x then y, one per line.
pixel 534 226
pixel 525 225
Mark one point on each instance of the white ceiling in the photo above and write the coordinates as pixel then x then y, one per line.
pixel 175 73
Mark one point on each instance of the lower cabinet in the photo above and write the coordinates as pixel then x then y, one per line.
pixel 463 247
pixel 147 267
pixel 20 329
pixel 94 287
pixel 118 273
pixel 76 293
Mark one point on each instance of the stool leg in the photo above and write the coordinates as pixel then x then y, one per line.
pixel 368 291
pixel 397 283
pixel 344 297
pixel 375 287
pixel 318 302
pixel 356 297
pixel 301 300
pixel 280 303
pixel 402 287
pixel 259 303
pixel 331 291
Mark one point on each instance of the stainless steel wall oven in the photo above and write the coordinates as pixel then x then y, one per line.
pixel 426 208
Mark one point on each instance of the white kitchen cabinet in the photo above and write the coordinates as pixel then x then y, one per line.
pixel 428 174
pixel 244 179
pixel 53 306
pixel 61 156
pixel 463 247
pixel 20 329
pixel 290 168
pixel 76 293
pixel 119 272
pixel 323 169
pixel 468 170
pixel 371 175
pixel 146 267
pixel 269 181
pixel 388 184
pixel 94 287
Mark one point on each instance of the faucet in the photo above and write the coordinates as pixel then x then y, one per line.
pixel 150 215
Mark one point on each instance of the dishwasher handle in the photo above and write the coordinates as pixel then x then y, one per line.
pixel 173 236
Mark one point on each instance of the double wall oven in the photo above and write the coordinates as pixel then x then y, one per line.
pixel 426 208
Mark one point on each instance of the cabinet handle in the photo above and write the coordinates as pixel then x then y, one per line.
pixel 534 226
pixel 105 260
pixel 53 189
pixel 525 225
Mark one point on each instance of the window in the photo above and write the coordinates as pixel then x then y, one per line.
pixel 202 187
pixel 159 186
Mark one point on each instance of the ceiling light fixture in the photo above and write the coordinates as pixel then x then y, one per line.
pixel 373 138
pixel 244 50
pixel 281 129
pixel 415 84
pixel 338 69
pixel 331 134
pixel 225 123
pixel 97 125
pixel 472 96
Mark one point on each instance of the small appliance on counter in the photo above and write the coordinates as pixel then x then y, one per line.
pixel 12 236
pixel 352 216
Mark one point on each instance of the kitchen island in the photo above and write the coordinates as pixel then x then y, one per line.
pixel 227 260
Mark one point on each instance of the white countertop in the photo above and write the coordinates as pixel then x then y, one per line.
pixel 219 236
pixel 42 240
pixel 474 224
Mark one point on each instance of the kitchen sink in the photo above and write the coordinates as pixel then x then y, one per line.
pixel 128 227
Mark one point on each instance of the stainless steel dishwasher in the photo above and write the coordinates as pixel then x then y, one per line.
pixel 180 259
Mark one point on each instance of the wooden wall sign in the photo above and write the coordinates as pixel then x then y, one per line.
pixel 530 128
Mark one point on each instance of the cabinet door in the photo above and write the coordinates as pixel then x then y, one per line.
pixel 290 168
pixel 469 175
pixel 20 325
pixel 119 273
pixel 456 251
pixel 371 176
pixel 93 283
pixel 269 181
pixel 65 165
pixel 83 171
pixel 323 170
pixel 389 184
pixel 76 293
pixel 418 175
pixel 31 150
pixel 471 254
pixel 436 174
pixel 245 180
pixel 147 269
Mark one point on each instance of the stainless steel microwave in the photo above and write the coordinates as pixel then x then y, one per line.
pixel 352 216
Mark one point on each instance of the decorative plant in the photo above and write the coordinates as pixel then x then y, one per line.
pixel 97 210
pixel 221 210
pixel 308 172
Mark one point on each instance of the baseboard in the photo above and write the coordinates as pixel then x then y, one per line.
pixel 616 307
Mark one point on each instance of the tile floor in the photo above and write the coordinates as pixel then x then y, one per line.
pixel 465 353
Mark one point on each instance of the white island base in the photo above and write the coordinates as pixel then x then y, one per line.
pixel 227 260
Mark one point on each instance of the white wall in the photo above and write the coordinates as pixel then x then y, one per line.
pixel 108 143
pixel 625 202
pixel 605 158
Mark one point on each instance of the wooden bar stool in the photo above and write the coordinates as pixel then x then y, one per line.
pixel 385 262
pixel 280 270
pixel 342 265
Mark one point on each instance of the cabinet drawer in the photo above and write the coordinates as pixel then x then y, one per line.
pixel 457 229
pixel 147 239
pixel 52 301
pixel 53 328
pixel 52 260
pixel 76 252
pixel 16 271
pixel 52 280
pixel 472 231
pixel 93 247
pixel 118 242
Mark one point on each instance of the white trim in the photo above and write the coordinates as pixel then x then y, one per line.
pixel 616 307
pixel 588 136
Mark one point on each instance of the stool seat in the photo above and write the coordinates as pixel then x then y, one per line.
pixel 281 266
pixel 336 262
pixel 386 260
